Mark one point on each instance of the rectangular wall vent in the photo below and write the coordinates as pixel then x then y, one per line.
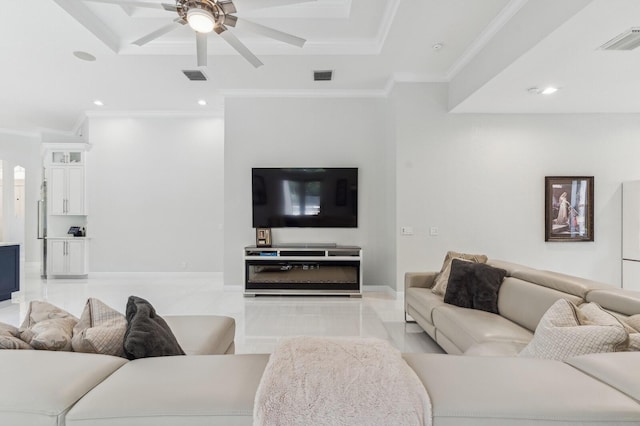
pixel 322 75
pixel 628 40
pixel 195 75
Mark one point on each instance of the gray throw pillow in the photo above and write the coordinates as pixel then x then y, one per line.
pixel 474 285
pixel 147 334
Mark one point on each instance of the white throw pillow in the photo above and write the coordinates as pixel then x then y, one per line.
pixel 566 331
pixel 47 327
pixel 633 327
pixel 10 338
pixel 100 330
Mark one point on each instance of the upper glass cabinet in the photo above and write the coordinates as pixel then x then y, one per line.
pixel 66 157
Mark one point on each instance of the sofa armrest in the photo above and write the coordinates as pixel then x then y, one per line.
pixel 419 279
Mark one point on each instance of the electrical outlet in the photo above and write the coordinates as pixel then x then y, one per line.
pixel 406 230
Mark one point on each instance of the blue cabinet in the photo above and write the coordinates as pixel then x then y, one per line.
pixel 9 270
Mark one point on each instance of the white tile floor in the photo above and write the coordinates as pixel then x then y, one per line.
pixel 260 321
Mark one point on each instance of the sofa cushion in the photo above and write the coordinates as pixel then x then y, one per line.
pixel 147 334
pixel 100 330
pixel 511 391
pixel 424 301
pixel 47 327
pixel 619 370
pixel 40 386
pixel 10 338
pixel 442 279
pixel 496 349
pixel 203 334
pixel 626 302
pixel 566 331
pixel 525 303
pixel 466 327
pixel 474 285
pixel 195 390
pixel 565 283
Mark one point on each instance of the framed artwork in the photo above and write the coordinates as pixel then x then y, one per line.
pixel 263 237
pixel 568 207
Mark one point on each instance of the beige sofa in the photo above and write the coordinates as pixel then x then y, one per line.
pixel 51 388
pixel 523 298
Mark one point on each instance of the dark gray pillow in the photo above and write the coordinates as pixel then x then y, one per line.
pixel 147 334
pixel 474 285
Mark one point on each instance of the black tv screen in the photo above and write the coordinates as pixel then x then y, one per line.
pixel 305 197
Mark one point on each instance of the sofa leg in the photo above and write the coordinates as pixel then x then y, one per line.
pixel 407 320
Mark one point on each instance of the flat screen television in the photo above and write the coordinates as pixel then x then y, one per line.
pixel 305 197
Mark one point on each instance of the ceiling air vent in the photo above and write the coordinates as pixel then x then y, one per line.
pixel 628 40
pixel 195 75
pixel 322 75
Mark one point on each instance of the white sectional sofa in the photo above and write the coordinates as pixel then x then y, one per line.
pixel 209 387
pixel 524 296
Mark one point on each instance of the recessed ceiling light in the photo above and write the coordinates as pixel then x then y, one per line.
pixel 85 56
pixel 98 102
pixel 533 91
pixel 437 46
pixel 549 90
pixel 202 102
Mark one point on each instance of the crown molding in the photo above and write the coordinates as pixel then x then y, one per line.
pixel 154 114
pixel 22 133
pixel 309 93
pixel 485 36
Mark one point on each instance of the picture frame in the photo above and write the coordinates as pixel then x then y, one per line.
pixel 263 237
pixel 569 215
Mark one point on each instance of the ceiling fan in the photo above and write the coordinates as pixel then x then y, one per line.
pixel 204 16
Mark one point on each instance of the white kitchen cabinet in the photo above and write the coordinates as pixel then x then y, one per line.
pixel 74 157
pixel 66 257
pixel 66 191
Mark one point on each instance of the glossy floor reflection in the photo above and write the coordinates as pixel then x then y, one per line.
pixel 260 321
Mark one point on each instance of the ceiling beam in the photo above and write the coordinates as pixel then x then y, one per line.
pixel 81 13
pixel 527 23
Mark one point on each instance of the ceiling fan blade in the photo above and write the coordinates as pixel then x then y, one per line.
pixel 230 38
pixel 201 47
pixel 160 31
pixel 262 4
pixel 270 32
pixel 227 6
pixel 132 3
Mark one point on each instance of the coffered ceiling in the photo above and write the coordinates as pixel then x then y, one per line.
pixel 491 52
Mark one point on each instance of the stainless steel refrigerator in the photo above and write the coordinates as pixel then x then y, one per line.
pixel 42 226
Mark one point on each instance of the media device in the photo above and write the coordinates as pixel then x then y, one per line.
pixel 305 197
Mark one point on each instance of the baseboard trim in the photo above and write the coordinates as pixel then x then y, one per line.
pixel 380 289
pixel 213 275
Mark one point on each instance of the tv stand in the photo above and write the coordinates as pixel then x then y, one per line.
pixel 303 269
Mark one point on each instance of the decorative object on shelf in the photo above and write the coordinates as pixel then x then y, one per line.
pixel 568 208
pixel 263 237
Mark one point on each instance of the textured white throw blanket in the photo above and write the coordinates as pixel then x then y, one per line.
pixel 338 381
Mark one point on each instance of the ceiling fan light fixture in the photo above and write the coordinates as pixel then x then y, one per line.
pixel 201 20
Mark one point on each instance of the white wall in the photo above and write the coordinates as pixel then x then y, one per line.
pixel 19 150
pixel 155 194
pixel 272 132
pixel 479 178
